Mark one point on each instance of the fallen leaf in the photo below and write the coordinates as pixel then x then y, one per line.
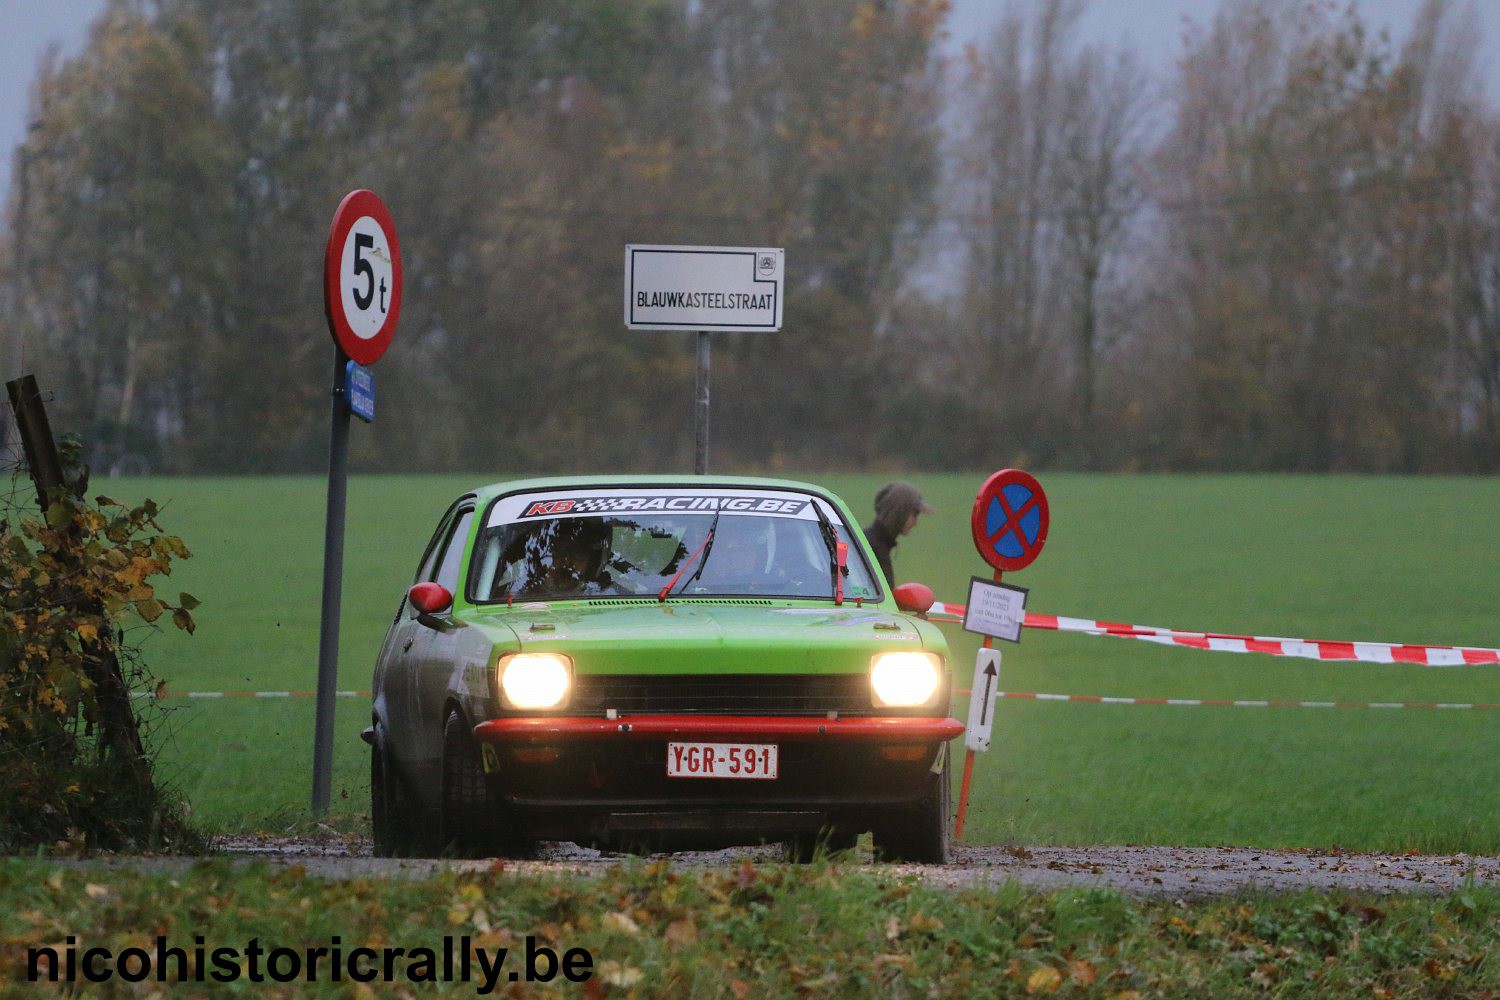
pixel 922 923
pixel 1044 980
pixel 621 922
pixel 680 933
pixel 1182 926
pixel 1081 973
pixel 615 974
pixel 1437 970
pixel 820 985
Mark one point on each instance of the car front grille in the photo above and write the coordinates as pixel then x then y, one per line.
pixel 723 694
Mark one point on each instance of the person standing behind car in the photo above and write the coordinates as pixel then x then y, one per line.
pixel 897 507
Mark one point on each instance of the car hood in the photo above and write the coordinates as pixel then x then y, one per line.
pixel 705 636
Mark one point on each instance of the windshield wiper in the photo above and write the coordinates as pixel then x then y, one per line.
pixel 838 553
pixel 708 544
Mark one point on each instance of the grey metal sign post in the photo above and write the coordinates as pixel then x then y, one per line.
pixel 705 289
pixel 700 409
pixel 333 579
pixel 362 298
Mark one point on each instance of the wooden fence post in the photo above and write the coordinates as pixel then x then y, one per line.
pixel 35 432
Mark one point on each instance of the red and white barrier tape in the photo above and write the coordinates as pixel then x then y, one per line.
pixel 1308 649
pixel 1234 703
pixel 162 694
pixel 1017 695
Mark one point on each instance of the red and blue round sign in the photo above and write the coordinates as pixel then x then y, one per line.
pixel 362 277
pixel 1010 520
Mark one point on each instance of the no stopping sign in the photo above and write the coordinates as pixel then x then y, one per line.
pixel 362 277
pixel 1010 520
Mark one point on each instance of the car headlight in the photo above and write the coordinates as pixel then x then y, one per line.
pixel 906 679
pixel 535 680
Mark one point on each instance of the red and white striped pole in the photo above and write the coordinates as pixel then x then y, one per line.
pixel 963 790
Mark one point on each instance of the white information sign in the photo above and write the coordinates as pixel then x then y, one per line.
pixel 982 696
pixel 703 288
pixel 995 609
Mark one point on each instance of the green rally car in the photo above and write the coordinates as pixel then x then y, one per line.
pixel 664 662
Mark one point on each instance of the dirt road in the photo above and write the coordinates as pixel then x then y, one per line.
pixel 1173 872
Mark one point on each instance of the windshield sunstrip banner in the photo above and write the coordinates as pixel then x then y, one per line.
pixel 583 503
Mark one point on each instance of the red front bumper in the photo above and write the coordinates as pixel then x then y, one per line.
pixel 879 729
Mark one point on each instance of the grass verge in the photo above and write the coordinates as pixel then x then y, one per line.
pixel 772 931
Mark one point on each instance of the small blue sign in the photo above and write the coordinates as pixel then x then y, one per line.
pixel 1013 544
pixel 359 391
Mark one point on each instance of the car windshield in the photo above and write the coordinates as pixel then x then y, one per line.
pixel 609 544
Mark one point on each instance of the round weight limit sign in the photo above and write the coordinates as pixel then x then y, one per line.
pixel 362 277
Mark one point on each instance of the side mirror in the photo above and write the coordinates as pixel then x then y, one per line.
pixel 430 598
pixel 917 597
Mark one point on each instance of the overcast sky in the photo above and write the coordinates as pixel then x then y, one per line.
pixel 1153 27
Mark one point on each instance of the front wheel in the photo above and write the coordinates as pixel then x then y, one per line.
pixel 919 833
pixel 474 823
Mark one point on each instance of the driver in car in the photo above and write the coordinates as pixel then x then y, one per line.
pixel 572 564
pixel 741 557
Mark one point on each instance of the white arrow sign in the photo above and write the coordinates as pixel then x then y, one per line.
pixel 982 699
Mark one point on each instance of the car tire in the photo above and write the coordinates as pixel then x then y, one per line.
pixel 393 812
pixel 474 823
pixel 919 834
pixel 803 848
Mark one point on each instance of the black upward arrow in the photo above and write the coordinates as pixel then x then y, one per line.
pixel 989 682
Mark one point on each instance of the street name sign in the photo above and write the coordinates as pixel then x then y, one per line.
pixel 359 390
pixel 708 289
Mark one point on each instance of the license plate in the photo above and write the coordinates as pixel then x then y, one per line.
pixel 722 760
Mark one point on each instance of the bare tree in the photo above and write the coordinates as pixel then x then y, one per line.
pixel 1007 150
pixel 1102 145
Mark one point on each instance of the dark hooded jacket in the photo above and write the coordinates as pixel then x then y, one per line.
pixel 894 505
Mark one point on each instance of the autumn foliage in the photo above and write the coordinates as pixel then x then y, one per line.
pixel 73 764
pixel 1267 243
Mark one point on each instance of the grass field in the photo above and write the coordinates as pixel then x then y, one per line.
pixel 1381 559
